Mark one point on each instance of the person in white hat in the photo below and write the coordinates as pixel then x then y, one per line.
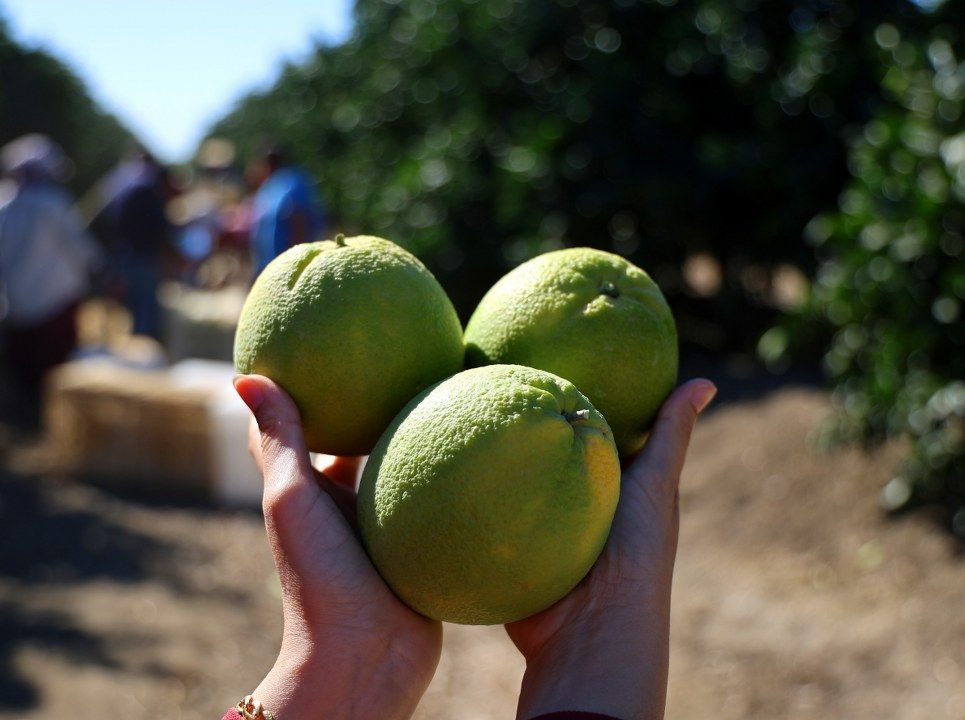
pixel 46 259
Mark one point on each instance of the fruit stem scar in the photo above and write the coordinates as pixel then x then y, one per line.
pixel 609 289
pixel 577 416
pixel 340 239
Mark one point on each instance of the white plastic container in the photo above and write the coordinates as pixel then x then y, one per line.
pixel 235 479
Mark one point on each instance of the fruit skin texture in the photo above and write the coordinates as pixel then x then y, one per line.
pixel 352 332
pixel 490 496
pixel 557 312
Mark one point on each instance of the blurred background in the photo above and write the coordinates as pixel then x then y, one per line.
pixel 792 175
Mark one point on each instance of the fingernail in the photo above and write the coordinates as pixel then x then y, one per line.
pixel 702 396
pixel 250 392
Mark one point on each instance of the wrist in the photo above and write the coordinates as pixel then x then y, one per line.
pixel 310 681
pixel 292 688
pixel 614 667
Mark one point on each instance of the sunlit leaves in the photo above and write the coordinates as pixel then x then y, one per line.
pixel 893 282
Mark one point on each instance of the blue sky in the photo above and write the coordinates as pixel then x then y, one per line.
pixel 168 68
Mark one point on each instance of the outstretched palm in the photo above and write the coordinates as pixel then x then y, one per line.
pixel 344 628
pixel 626 595
pixel 342 624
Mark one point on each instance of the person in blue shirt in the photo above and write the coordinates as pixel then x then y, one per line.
pixel 285 210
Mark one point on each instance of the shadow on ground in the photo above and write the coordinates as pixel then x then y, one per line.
pixel 42 541
pixel 45 543
pixel 55 536
pixel 48 630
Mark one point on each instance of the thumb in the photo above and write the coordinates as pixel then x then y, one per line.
pixel 284 455
pixel 295 505
pixel 663 455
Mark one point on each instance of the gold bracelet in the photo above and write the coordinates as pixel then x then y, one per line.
pixel 252 709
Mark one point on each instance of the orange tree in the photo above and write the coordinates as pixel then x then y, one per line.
pixel 890 283
pixel 38 93
pixel 481 133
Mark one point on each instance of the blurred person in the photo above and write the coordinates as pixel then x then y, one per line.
pixel 196 216
pixel 206 212
pixel 238 217
pixel 139 231
pixel 46 261
pixel 351 649
pixel 285 211
pixel 235 225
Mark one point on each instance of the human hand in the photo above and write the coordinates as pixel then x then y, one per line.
pixel 350 648
pixel 604 647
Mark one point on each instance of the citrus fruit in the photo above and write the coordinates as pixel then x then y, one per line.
pixel 490 496
pixel 352 329
pixel 593 318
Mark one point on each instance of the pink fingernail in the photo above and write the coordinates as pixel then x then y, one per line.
pixel 702 396
pixel 250 392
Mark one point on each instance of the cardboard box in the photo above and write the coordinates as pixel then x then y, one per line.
pixel 174 434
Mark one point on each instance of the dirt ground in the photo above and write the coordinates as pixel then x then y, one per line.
pixel 794 596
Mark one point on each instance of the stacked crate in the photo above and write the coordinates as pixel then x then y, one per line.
pixel 173 434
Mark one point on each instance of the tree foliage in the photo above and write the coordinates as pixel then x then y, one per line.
pixel 479 134
pixel 891 282
pixel 38 93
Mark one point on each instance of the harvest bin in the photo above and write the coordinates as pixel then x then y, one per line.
pixel 172 434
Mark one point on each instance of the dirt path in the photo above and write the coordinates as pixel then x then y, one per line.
pixel 794 597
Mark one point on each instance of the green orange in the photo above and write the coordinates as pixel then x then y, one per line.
pixel 352 329
pixel 593 318
pixel 490 495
